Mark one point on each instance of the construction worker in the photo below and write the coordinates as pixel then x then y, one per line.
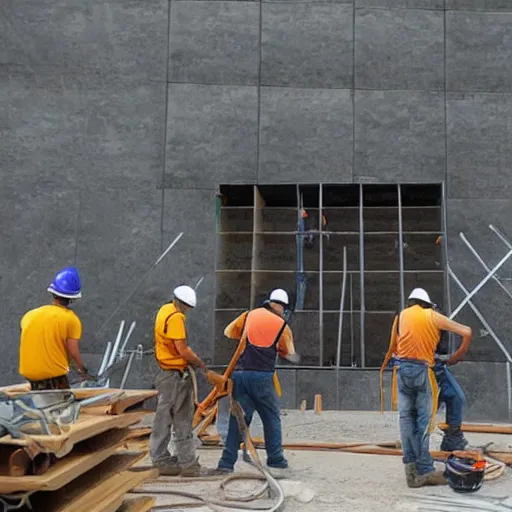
pixel 414 337
pixel 305 228
pixel 451 394
pixel 175 408
pixel 50 336
pixel 267 334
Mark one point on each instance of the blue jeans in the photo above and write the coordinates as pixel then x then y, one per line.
pixel 255 391
pixel 451 394
pixel 415 410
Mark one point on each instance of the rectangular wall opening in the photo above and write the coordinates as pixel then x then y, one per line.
pixel 294 236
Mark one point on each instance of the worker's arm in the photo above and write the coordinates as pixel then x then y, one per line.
pixel 392 345
pixel 443 323
pixel 234 330
pixel 188 354
pixel 286 346
pixel 73 348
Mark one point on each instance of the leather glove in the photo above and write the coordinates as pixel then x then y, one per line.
pixel 215 379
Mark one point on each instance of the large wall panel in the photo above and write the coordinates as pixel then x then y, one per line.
pixel 479 146
pixel 305 135
pixel 399 136
pixel 211 135
pixel 99 39
pixel 193 213
pixel 478 51
pixel 214 42
pixel 399 49
pixel 307 45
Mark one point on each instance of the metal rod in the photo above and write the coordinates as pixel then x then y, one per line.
pixel 401 248
pixel 127 370
pixel 113 355
pixel 361 272
pixel 479 315
pixel 106 356
pixel 132 293
pixel 509 390
pixel 342 307
pixel 128 336
pixel 482 262
pixel 321 275
pixel 351 323
pixel 501 235
pixel 482 283
pixel 444 247
pixel 199 283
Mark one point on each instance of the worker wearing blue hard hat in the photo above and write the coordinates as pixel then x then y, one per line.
pixel 50 336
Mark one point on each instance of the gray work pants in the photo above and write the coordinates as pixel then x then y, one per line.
pixel 175 410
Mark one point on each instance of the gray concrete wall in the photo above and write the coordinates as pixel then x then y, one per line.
pixel 118 118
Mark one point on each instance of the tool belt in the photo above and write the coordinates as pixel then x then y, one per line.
pixel 60 382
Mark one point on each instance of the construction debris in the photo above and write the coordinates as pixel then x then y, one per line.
pixel 83 468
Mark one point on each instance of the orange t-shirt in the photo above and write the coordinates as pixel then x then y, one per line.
pixel 262 327
pixel 418 334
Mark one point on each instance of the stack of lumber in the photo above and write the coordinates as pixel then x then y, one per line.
pixel 86 468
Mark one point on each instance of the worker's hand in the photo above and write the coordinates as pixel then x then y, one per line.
pixel 215 379
pixel 86 375
pixel 294 358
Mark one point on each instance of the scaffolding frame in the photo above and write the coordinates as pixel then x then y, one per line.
pixel 258 233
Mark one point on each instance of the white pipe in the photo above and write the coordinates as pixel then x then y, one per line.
pixel 342 306
pixel 106 356
pixel 130 331
pixel 116 345
pixel 482 283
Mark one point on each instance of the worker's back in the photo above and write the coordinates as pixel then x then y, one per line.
pixel 43 350
pixel 417 334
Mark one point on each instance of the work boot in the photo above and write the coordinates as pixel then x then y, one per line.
pixel 411 475
pixel 168 469
pixel 453 440
pixel 432 478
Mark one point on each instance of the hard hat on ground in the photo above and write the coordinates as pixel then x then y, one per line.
pixel 464 474
pixel 420 294
pixel 279 296
pixel 186 294
pixel 66 284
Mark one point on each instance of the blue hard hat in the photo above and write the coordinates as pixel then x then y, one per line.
pixel 66 284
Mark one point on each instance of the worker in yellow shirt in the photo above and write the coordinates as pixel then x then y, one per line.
pixel 267 334
pixel 50 336
pixel 414 338
pixel 175 408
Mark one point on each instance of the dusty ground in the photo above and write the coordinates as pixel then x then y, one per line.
pixel 345 482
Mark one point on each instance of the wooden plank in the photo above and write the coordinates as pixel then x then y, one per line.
pixel 81 494
pixel 484 428
pixel 143 504
pixel 85 456
pixel 87 426
pixel 128 399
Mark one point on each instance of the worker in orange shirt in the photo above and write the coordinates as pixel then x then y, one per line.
pixel 175 407
pixel 50 336
pixel 414 338
pixel 267 334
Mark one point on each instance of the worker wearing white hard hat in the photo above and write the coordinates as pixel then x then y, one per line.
pixel 175 409
pixel 414 338
pixel 267 335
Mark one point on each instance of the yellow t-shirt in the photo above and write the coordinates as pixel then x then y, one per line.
pixel 44 331
pixel 169 326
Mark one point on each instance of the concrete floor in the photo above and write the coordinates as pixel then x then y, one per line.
pixel 344 482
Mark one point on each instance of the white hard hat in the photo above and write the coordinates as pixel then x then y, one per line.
pixel 279 296
pixel 420 294
pixel 186 294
